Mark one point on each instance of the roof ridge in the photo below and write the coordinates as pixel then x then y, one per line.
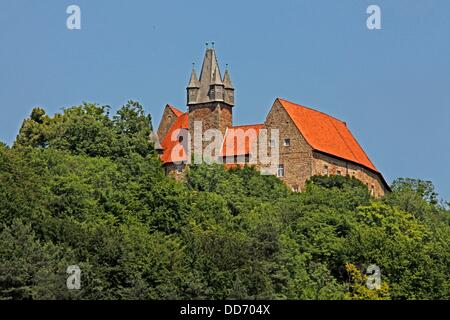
pixel 175 110
pixel 306 107
pixel 247 125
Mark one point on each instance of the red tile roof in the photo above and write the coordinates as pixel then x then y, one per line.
pixel 327 134
pixel 168 143
pixel 175 110
pixel 240 139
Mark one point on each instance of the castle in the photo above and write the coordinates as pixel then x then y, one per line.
pixel 309 142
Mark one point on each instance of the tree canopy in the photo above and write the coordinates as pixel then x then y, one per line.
pixel 86 188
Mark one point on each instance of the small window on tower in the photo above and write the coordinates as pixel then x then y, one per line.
pixel 180 139
pixel 372 191
pixel 325 170
pixel 287 142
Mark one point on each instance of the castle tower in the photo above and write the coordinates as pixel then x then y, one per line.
pixel 229 90
pixel 210 99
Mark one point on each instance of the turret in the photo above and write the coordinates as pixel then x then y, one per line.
pixel 210 101
pixel 229 90
pixel 193 87
pixel 210 87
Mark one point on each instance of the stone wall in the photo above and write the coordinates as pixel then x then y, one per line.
pixel 297 157
pixel 213 116
pixel 324 164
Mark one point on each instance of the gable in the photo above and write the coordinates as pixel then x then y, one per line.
pixel 169 116
pixel 326 134
pixel 168 143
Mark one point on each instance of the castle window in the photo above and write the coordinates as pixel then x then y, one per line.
pixel 287 142
pixel 180 139
pixel 372 191
pixel 280 171
pixel 325 170
pixel 339 173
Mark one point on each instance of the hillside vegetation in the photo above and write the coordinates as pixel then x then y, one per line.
pixel 86 188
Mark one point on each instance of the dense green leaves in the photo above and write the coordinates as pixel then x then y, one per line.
pixel 84 188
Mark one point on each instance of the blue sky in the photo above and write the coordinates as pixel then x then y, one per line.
pixel 391 86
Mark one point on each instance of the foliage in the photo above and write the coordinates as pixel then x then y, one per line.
pixel 358 287
pixel 86 188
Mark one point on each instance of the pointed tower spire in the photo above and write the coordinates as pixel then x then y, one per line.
pixel 229 89
pixel 193 87
pixel 209 103
pixel 193 81
pixel 227 80
pixel 209 67
pixel 210 87
pixel 216 77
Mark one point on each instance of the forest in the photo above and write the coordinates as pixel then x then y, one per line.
pixel 85 187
